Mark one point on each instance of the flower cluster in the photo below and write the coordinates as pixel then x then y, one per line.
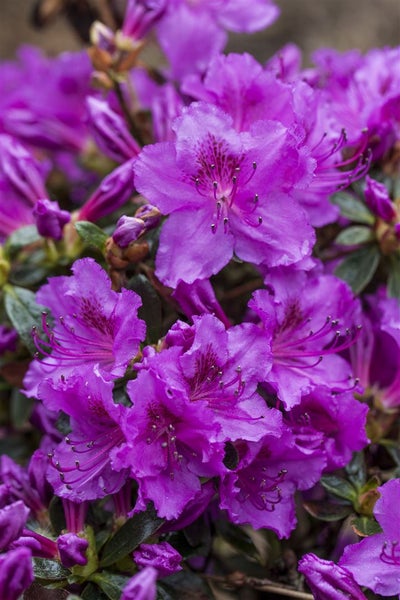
pixel 200 273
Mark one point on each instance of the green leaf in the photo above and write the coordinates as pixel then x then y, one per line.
pixel 92 592
pixel 24 236
pixel 49 570
pixel 23 312
pixel 21 408
pixel 91 234
pixel 359 267
pixel 38 592
pixel 110 583
pixel 185 586
pixel 339 487
pixel 132 533
pixel 237 538
pixel 365 526
pixel 150 311
pixel 231 457
pixel 327 511
pixel 393 283
pixel 57 515
pixel 357 471
pixel 358 234
pixel 352 208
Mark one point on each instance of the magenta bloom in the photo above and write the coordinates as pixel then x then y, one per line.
pixel 224 195
pixel 161 556
pixel 80 466
pixel 170 443
pixel 142 586
pixel 311 319
pixel 261 490
pixel 16 573
pixel 95 327
pixel 331 425
pixel 329 581
pixel 191 33
pixel 375 561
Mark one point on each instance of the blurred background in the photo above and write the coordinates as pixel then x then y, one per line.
pixel 342 24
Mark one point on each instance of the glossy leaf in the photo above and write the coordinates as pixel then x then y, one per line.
pixel 49 570
pixel 359 267
pixel 91 234
pixel 393 283
pixel 352 236
pixel 150 311
pixel 365 526
pixel 352 208
pixel 135 531
pixel 23 312
pixel 328 511
pixel 339 487
pixel 24 236
pixel 110 583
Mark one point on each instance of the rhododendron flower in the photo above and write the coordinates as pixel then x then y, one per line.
pixel 375 561
pixel 310 319
pixel 329 581
pixel 224 195
pixel 94 328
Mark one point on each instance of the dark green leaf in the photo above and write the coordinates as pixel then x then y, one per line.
pixel 21 408
pixel 237 538
pixel 24 236
pixel 185 586
pixel 91 234
pixel 352 208
pixel 92 592
pixel 135 531
pixel 28 274
pixel 393 284
pixel 356 470
pixel 328 511
pixel 23 312
pixel 49 570
pixel 352 236
pixel 359 267
pixel 339 487
pixel 57 515
pixel 110 583
pixel 364 526
pixel 150 311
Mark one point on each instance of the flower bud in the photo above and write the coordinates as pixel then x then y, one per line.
pixel 110 131
pixel 329 581
pixel 12 521
pixel 16 573
pixel 72 549
pixel 50 219
pixel 142 586
pixel 377 198
pixel 162 557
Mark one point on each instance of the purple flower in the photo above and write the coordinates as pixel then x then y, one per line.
pixel 19 486
pixel 224 193
pixel 16 573
pixel 141 16
pixel 58 125
pixel 72 549
pixel 115 189
pixel 375 561
pixel 311 319
pixel 198 299
pixel 170 443
pixel 12 522
pixel 95 327
pixel 142 586
pixel 190 34
pixel 161 556
pixel 332 425
pixel 329 581
pixel 261 490
pixel 377 198
pixel 50 219
pixel 110 131
pixel 8 339
pixel 80 466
